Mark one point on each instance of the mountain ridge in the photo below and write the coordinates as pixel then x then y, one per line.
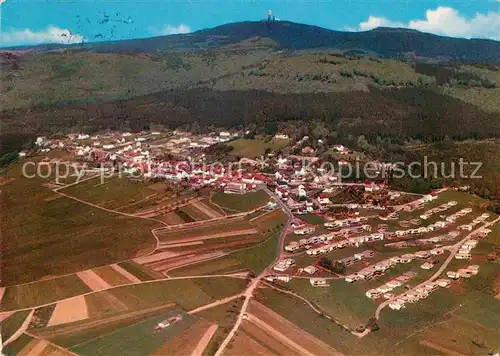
pixel 384 41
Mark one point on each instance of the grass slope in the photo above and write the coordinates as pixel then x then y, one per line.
pixel 45 237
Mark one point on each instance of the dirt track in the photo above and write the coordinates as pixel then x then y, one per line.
pixel 68 311
pixel 5 315
pixel 155 257
pixel 442 349
pixel 205 339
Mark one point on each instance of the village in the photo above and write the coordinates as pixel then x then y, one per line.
pixel 380 246
pixel 307 189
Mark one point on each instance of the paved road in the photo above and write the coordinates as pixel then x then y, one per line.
pixel 453 252
pixel 255 282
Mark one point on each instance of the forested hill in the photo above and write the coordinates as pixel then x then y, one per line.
pixel 389 42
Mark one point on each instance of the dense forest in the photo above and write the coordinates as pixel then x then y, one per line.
pixel 401 114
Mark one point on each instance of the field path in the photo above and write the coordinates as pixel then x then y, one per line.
pixel 125 273
pixel 442 349
pixel 2 291
pixel 21 330
pixel 215 304
pixel 68 311
pixel 5 315
pixel 155 257
pixel 205 339
pixel 92 280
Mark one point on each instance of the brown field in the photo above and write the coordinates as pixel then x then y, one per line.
pixel 70 310
pixel 207 268
pixel 129 276
pixel 43 348
pixel 111 276
pixel 286 332
pixel 221 245
pixel 208 228
pixel 245 345
pixel 62 332
pixel 165 266
pixel 268 221
pixel 208 211
pixel 170 218
pixel 188 341
pixel 92 280
pixel 42 292
pixel 211 236
pixel 35 348
pixel 102 303
pixel 267 337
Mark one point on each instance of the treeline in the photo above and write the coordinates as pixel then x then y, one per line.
pixel 451 75
pixel 396 113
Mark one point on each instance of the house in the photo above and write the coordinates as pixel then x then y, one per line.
pixel 437 251
pixel 292 247
pixel 397 304
pixel 384 288
pixel 407 258
pixel 352 278
pixel 235 188
pixel 283 265
pixel 376 237
pixel 453 275
pixel 394 283
pixel 464 273
pixel 364 254
pixel 373 294
pixel 305 230
pixel 422 254
pixel 427 265
pixel 470 244
pixel 474 269
pixel 443 282
pixel 318 282
pixel 323 200
pixel 347 261
pixel 310 269
pixel 463 256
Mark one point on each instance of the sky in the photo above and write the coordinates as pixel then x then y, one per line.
pixel 26 22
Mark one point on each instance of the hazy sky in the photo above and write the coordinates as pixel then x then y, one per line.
pixel 63 21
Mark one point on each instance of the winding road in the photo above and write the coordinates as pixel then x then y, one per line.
pixel 256 281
